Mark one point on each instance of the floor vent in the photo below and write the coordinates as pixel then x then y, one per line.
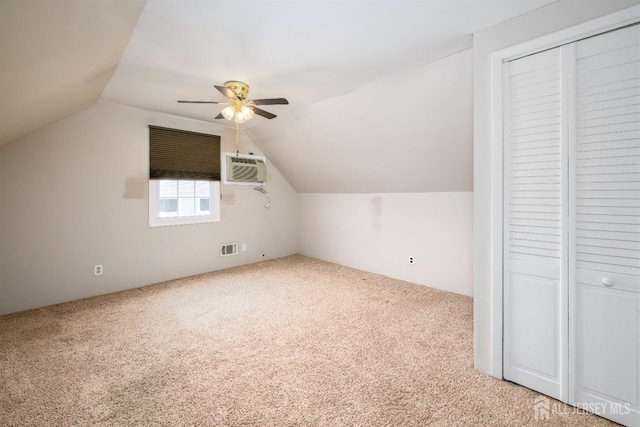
pixel 227 249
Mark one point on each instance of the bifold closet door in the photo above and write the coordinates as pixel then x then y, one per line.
pixel 535 193
pixel 605 238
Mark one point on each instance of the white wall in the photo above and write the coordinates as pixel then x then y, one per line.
pixel 75 194
pixel 378 233
pixel 486 280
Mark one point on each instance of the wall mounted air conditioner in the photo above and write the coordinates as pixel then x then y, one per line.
pixel 244 169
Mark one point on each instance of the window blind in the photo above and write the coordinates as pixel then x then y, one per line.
pixel 181 154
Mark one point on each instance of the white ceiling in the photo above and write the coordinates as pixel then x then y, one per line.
pixel 365 79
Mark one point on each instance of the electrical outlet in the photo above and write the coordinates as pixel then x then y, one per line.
pixel 244 247
pixel 98 270
pixel 411 260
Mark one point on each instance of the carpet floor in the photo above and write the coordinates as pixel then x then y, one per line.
pixel 289 342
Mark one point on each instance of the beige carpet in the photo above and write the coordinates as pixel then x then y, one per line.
pixel 289 342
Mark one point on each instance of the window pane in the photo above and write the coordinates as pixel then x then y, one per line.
pixel 204 207
pixel 186 188
pixel 168 207
pixel 168 189
pixel 186 206
pixel 203 189
pixel 186 198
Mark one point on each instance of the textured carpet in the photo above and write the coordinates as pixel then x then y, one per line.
pixel 289 342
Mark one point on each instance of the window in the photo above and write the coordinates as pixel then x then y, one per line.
pixel 175 202
pixel 184 172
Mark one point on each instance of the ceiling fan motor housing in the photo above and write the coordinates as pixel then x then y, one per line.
pixel 239 89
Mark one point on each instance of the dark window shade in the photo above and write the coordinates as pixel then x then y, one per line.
pixel 180 154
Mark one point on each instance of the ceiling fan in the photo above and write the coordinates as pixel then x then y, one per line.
pixel 239 109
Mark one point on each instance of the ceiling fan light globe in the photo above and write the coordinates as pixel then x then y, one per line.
pixel 244 114
pixel 228 112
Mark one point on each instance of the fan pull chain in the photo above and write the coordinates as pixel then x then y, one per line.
pixel 237 139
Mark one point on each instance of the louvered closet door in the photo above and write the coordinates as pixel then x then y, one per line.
pixel 605 251
pixel 535 285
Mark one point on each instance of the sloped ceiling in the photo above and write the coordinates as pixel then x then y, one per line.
pixel 380 91
pixel 56 57
pixel 373 140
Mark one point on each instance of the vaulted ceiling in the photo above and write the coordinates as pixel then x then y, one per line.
pixel 56 57
pixel 380 91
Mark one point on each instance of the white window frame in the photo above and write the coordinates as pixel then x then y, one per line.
pixel 154 206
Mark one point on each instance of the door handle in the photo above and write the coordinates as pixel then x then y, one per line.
pixel 607 282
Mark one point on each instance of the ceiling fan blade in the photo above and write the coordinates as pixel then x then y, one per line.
pixel 226 92
pixel 271 101
pixel 202 102
pixel 219 116
pixel 266 114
